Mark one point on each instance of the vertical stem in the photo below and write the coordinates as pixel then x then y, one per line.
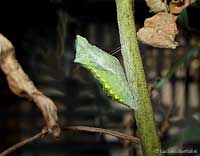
pixel 136 78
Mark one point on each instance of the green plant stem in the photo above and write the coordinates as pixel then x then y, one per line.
pixel 136 78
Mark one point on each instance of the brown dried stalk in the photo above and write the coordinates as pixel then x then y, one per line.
pixel 105 131
pixel 165 124
pixel 21 143
pixel 21 85
pixel 72 128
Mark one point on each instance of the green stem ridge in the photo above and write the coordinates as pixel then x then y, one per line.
pixel 136 78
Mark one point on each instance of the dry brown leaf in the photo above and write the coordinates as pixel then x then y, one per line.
pixel 159 31
pixel 21 85
pixel 176 6
pixel 156 5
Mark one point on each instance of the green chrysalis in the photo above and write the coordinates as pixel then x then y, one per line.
pixel 107 69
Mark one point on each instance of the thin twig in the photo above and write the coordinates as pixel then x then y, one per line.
pixel 105 131
pixel 21 143
pixel 165 123
pixel 72 128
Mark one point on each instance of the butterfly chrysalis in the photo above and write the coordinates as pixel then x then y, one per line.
pixel 107 69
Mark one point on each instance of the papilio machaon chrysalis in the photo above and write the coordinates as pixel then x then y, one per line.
pixel 107 69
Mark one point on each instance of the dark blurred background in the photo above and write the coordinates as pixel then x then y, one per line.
pixel 43 33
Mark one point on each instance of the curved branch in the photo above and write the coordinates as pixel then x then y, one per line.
pixel 21 143
pixel 101 130
pixel 72 128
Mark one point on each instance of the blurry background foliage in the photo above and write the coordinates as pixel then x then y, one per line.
pixel 43 33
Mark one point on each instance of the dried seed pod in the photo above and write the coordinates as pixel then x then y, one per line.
pixel 159 31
